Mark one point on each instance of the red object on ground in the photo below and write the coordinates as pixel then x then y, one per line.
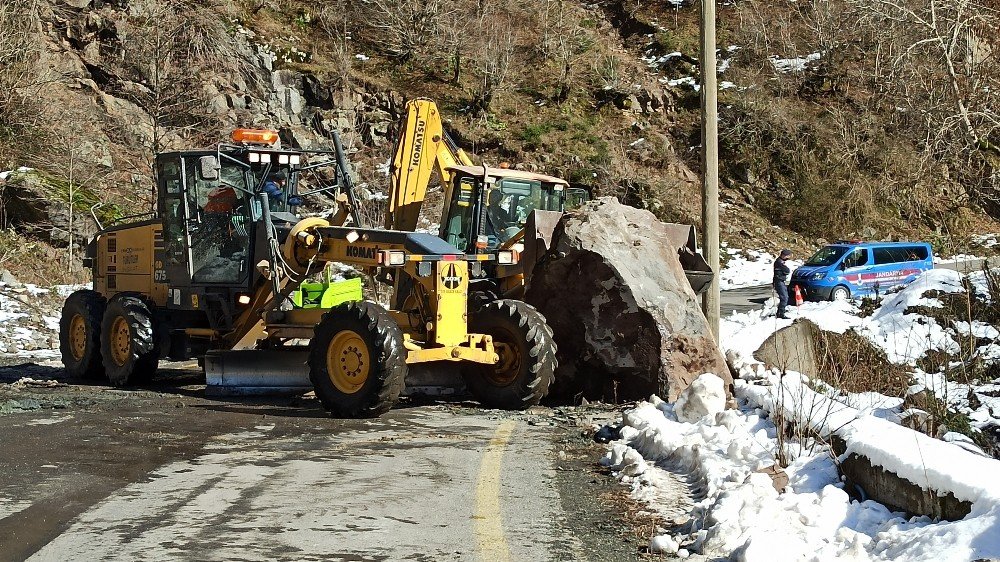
pixel 798 296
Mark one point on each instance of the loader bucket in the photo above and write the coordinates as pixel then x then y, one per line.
pixel 684 237
pixel 538 232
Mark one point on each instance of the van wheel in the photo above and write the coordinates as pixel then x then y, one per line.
pixel 840 293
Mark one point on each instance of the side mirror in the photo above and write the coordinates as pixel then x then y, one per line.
pixel 842 266
pixel 209 167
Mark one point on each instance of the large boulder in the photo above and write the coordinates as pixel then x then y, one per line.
pixel 625 318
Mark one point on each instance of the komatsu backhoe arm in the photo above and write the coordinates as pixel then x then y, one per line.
pixel 422 144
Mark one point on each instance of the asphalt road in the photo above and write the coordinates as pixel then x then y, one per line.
pixel 164 473
pixel 754 297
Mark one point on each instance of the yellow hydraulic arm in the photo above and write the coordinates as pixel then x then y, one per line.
pixel 421 144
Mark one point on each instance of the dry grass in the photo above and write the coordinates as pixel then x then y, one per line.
pixel 33 261
pixel 852 364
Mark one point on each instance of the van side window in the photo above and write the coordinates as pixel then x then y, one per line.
pixel 887 255
pixel 916 253
pixel 899 254
pixel 856 258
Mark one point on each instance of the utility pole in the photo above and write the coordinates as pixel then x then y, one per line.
pixel 710 163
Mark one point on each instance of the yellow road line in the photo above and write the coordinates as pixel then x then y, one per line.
pixel 491 543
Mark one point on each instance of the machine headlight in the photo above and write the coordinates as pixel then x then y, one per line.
pixel 506 257
pixel 392 257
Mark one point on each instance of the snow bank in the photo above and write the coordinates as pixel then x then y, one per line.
pixel 906 337
pixel 740 516
pixel 794 64
pixel 743 517
pixel 743 333
pixel 706 395
pixel 29 318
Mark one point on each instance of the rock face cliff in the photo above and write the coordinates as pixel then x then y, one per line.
pixel 103 85
pixel 130 78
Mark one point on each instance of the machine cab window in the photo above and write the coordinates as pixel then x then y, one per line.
pixel 219 213
pixel 170 184
pixel 511 200
pixel 508 205
pixel 458 225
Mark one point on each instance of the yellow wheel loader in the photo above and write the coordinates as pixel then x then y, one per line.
pixel 211 274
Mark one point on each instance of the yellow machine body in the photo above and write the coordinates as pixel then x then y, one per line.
pixel 126 262
pixel 434 318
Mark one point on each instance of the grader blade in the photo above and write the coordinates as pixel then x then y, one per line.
pixel 257 372
pixel 283 373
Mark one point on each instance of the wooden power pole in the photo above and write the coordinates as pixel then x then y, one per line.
pixel 710 162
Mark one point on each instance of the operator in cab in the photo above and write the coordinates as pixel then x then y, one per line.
pixel 275 189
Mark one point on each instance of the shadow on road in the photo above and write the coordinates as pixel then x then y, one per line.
pixel 187 381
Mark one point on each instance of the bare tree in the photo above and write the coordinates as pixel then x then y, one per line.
pixel 20 115
pixel 172 45
pixel 493 60
pixel 942 70
pixel 939 36
pixel 405 28
pixel 333 19
pixel 566 43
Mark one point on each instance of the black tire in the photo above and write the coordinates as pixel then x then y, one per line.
pixel 80 334
pixel 131 361
pixel 374 346
pixel 842 290
pixel 521 380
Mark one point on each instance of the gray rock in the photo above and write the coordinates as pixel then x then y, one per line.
pixel 792 348
pixel 625 318
pixel 219 105
pixel 8 278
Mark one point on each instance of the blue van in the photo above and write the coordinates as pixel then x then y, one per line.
pixel 855 269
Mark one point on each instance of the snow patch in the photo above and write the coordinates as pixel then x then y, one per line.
pixel 794 64
pixel 706 396
pixel 748 268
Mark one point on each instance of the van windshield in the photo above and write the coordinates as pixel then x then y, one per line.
pixel 828 255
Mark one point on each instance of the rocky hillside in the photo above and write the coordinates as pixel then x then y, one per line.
pixel 830 127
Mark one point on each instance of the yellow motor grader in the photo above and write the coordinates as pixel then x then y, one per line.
pixel 210 275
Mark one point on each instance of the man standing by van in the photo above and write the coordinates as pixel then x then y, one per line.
pixel 780 281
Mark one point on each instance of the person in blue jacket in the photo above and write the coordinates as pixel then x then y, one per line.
pixel 275 189
pixel 780 280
